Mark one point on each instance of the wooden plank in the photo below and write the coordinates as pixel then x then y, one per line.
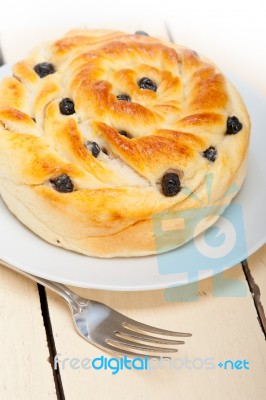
pixel 26 372
pixel 223 328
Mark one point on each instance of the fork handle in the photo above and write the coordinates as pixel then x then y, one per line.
pixel 72 299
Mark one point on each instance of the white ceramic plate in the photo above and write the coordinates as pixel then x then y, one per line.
pixel 23 249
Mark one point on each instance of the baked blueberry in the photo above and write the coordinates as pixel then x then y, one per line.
pixel 43 69
pixel 93 148
pixel 146 83
pixel 124 133
pixel 233 125
pixel 124 97
pixel 63 184
pixel 141 33
pixel 170 184
pixel 210 154
pixel 66 106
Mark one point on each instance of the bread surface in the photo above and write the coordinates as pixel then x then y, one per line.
pixel 104 136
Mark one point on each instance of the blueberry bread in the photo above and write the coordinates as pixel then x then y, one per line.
pixel 102 131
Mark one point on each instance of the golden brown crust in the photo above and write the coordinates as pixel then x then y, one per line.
pixel 116 195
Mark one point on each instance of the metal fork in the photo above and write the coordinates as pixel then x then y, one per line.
pixel 108 329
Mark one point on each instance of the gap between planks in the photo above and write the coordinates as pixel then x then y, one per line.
pixel 51 342
pixel 256 294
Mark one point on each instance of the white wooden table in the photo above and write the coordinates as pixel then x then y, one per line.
pixel 35 325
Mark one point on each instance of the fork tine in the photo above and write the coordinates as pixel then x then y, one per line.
pixel 133 325
pixel 135 346
pixel 119 351
pixel 147 338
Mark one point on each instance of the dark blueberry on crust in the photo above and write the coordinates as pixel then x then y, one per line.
pixel 63 184
pixel 43 69
pixel 93 148
pixel 124 97
pixel 233 125
pixel 124 133
pixel 210 154
pixel 170 184
pixel 146 83
pixel 141 33
pixel 66 106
